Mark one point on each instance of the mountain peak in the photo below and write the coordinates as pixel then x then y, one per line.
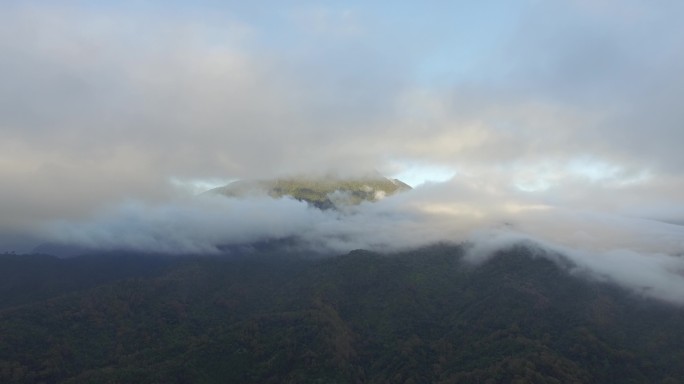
pixel 327 192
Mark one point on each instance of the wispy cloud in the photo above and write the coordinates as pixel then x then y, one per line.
pixel 643 255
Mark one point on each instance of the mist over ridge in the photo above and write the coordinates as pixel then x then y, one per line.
pixel 560 123
pixel 639 254
pixel 341 191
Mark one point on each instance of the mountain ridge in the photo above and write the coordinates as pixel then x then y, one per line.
pixel 414 316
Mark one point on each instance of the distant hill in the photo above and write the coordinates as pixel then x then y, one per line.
pixel 323 193
pixel 422 316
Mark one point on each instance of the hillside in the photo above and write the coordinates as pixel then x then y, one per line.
pixel 414 317
pixel 324 193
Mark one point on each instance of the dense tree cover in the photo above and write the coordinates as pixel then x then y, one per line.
pixel 415 317
pixel 26 278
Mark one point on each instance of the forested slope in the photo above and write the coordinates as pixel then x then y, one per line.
pixel 415 317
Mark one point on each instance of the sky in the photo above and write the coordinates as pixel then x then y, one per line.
pixel 560 118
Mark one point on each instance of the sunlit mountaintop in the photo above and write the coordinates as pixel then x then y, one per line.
pixel 324 192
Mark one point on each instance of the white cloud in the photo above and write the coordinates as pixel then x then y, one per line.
pixel 576 108
pixel 643 255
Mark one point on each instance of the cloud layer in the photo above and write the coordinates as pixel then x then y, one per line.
pixel 643 255
pixel 560 120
